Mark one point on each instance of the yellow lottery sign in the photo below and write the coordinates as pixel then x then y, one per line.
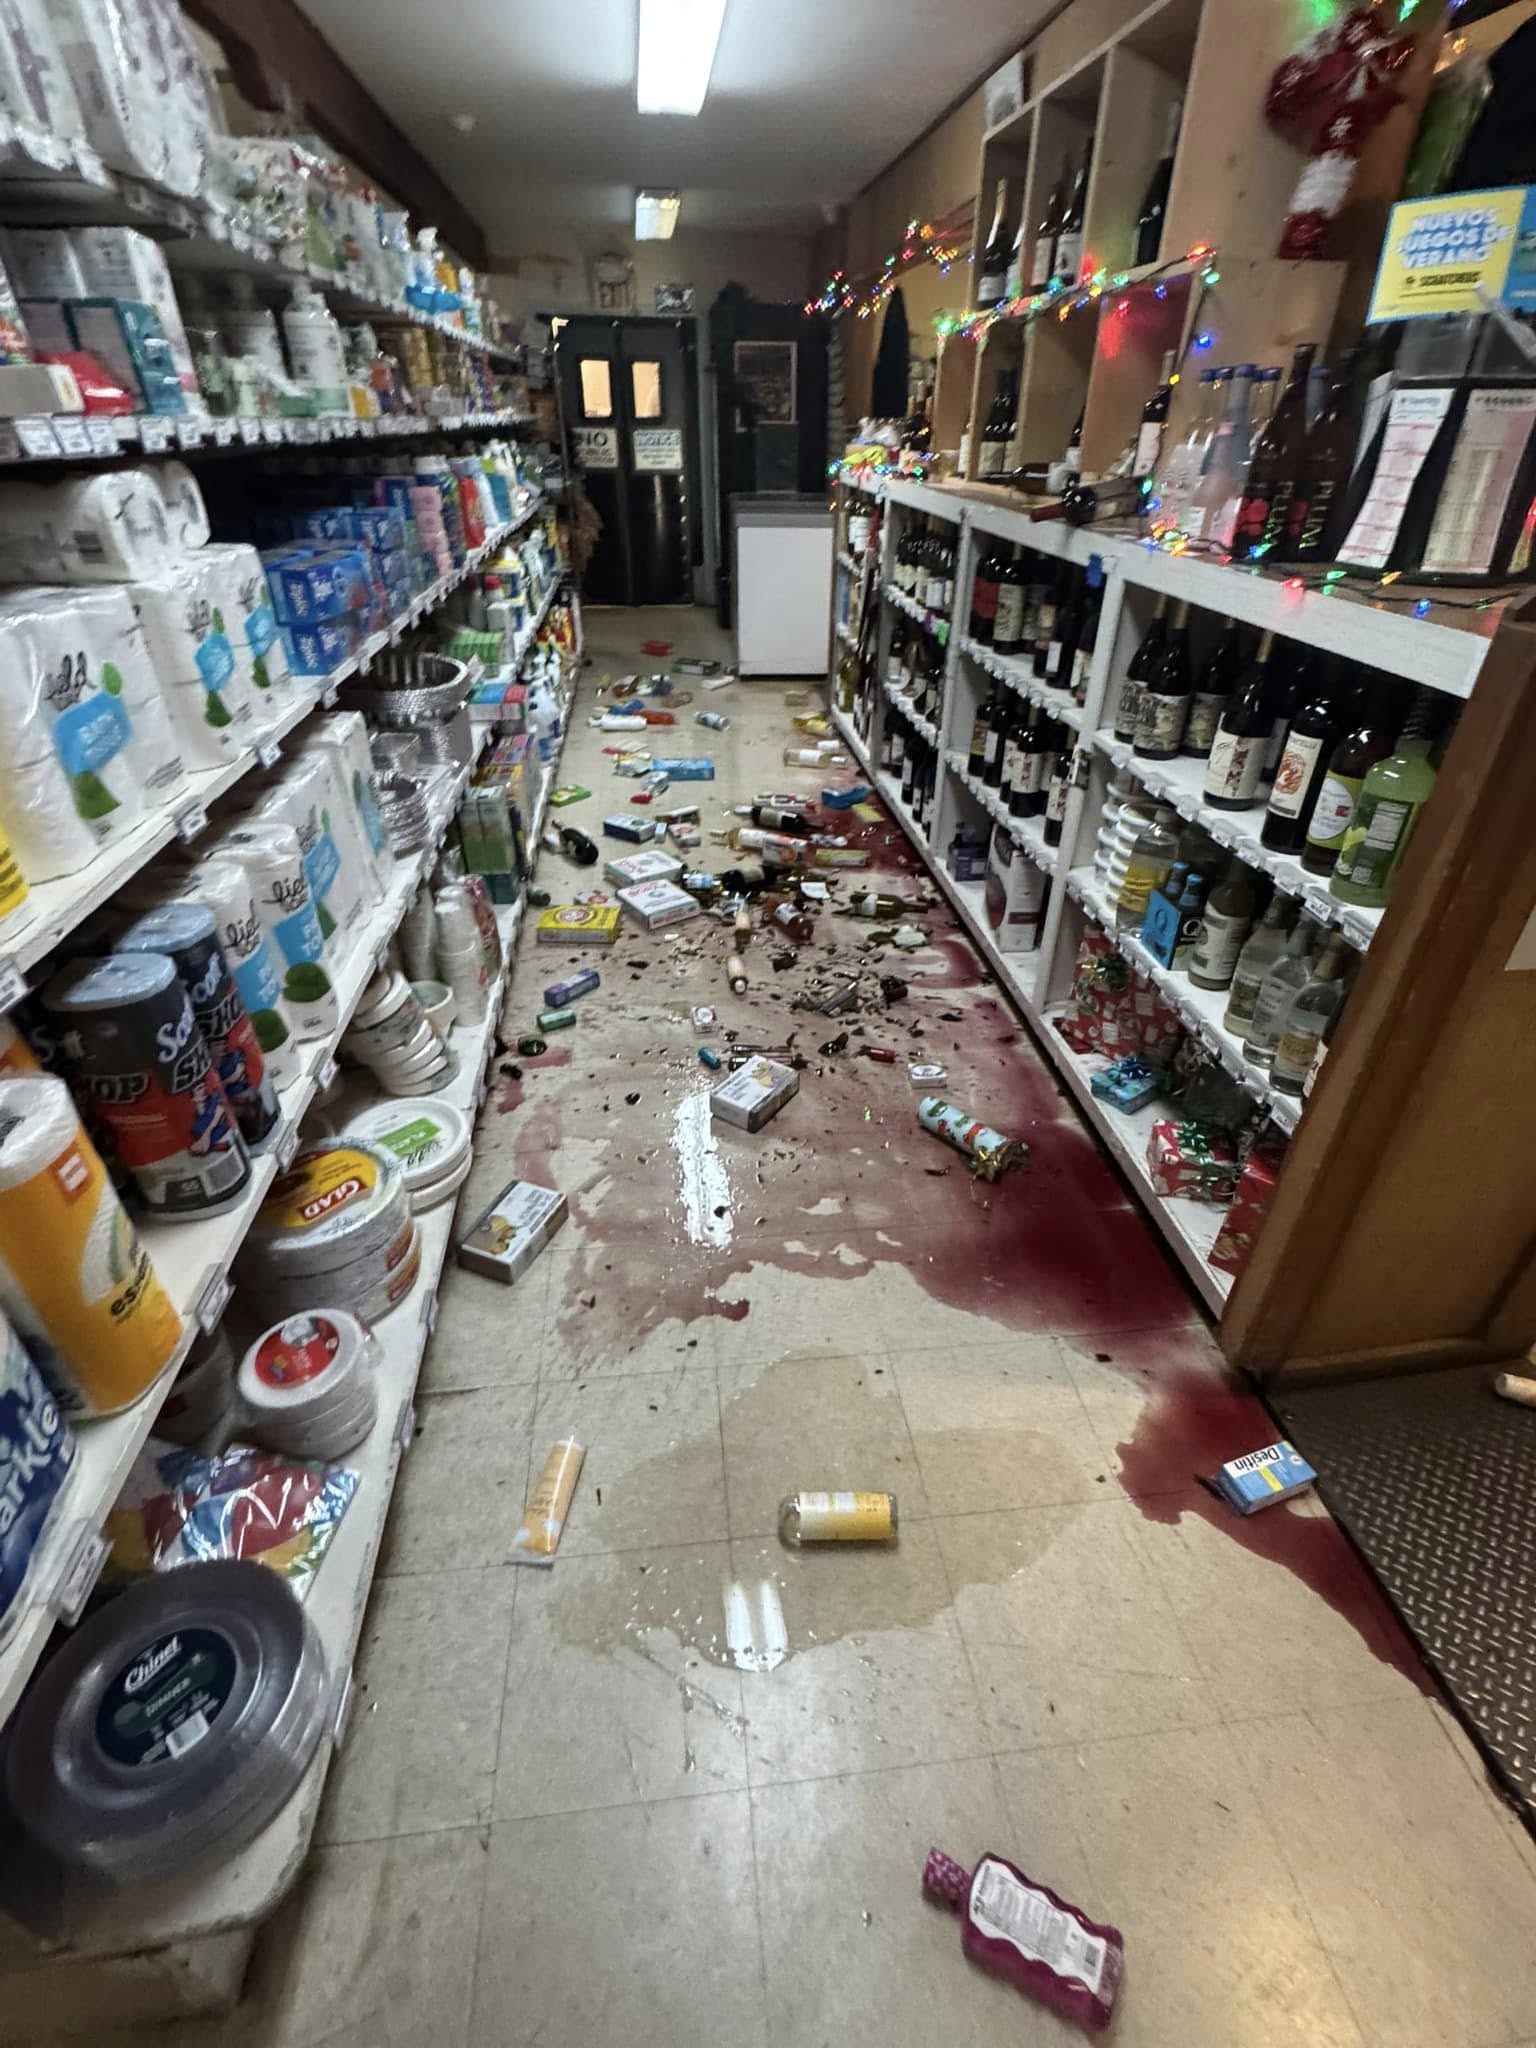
pixel 1456 253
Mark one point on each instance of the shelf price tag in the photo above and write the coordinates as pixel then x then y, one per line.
pixel 13 984
pixel 326 1077
pixel 155 435
pixel 191 819
pixel 1356 930
pixel 1317 903
pixel 37 438
pixel 249 429
pixel 287 1145
pixel 225 432
pixel 272 432
pixel 328 697
pixel 212 1302
pixel 269 753
pixel 1222 833
pixel 84 1556
pixel 189 433
pixel 102 438
pixel 74 436
pixel 429 1311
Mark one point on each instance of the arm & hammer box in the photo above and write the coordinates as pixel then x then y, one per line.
pixel 507 1237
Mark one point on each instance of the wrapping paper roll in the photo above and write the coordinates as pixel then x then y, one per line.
pixel 185 512
pixel 306 797
pixel 345 734
pixel 225 885
pixel 67 780
pixel 74 1277
pixel 112 634
pixel 269 852
pixel 251 625
pixel 211 701
pixel 108 528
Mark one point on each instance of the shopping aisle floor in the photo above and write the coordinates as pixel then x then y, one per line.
pixel 566 1818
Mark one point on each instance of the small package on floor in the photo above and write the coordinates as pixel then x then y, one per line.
pixel 635 868
pixel 538 1534
pixel 507 1237
pixel 1193 1159
pixel 578 924
pixel 636 830
pixel 660 903
pixel 754 1093
pixel 683 769
pixel 1262 1479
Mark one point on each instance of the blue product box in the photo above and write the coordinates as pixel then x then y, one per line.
pixel 327 523
pixel 315 583
pixel 1128 1082
pixel 636 830
pixel 127 336
pixel 1262 1479
pixel 1160 927
pixel 559 993
pixel 686 770
pixel 501 497
pixel 315 650
pixel 391 565
pixel 380 527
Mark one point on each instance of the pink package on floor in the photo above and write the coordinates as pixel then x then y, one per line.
pixel 1023 1931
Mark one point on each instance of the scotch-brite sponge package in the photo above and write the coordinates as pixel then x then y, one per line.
pixel 68 783
pixel 211 700
pixel 91 529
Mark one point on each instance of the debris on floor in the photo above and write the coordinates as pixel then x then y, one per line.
pixel 506 1238
pixel 837 1518
pixel 1262 1479
pixel 561 993
pixel 989 1152
pixel 1514 1386
pixel 568 793
pixel 756 1092
pixel 578 924
pixel 1028 1934
pixel 538 1535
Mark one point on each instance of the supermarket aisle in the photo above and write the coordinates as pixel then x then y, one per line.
pixel 566 1816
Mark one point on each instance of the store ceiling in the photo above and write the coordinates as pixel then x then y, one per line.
pixel 807 102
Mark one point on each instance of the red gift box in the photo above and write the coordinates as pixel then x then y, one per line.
pixel 1116 1008
pixel 1192 1159
pixel 1256 1186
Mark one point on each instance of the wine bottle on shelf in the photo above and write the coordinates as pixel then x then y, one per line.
pixel 1012 776
pixel 1061 782
pixel 896 655
pixel 1392 796
pixel 1212 508
pixel 1036 757
pixel 1277 991
pixel 1211 691
pixel 1014 285
pixel 1061 648
pixel 1309 741
pixel 1045 616
pixel 1308 1013
pixel 1154 418
pixel 1367 739
pixel 1092 606
pixel 1154 201
pixel 1073 458
pixel 1293 676
pixel 1012 594
pixel 998 427
pixel 1138 671
pixel 1037 591
pixel 987 712
pixel 1261 950
pixel 1174 483
pixel 1227 921
pixel 1266 500
pixel 1069 241
pixel 995 746
pixel 992 273
pixel 1042 263
pixel 1323 1047
pixel 1164 703
pixel 1236 761
pixel 1323 471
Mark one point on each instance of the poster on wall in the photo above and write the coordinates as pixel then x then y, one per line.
pixel 673 299
pixel 658 450
pixel 765 381
pixel 613 284
pixel 595 447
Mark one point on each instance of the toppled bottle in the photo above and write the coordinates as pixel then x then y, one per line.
pixel 989 1152
pixel 837 1518
pixel 1027 1933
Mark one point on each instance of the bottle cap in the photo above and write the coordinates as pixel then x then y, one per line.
pixel 946 1880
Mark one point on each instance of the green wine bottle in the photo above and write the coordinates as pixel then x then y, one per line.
pixel 1391 797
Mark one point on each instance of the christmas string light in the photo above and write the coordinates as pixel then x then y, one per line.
pixel 1063 296
pixel 941 242
pixel 1325 582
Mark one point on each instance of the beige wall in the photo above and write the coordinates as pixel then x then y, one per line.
pixel 554 273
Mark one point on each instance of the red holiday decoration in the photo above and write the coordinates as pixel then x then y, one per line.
pixel 1331 96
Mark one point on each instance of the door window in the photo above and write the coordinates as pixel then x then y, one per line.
pixel 645 390
pixel 596 388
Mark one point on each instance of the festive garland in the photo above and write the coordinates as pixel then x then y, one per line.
pixel 924 242
pixel 1064 299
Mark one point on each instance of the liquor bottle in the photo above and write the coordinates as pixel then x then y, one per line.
pixel 896 656
pixel 1174 484
pixel 1069 242
pixel 1227 921
pixel 1294 675
pixel 1308 1013
pixel 992 274
pixel 1190 903
pixel 1309 741
pixel 1367 739
pixel 987 713
pixel 1277 991
pixel 984 584
pixel 1260 951
pixel 1036 762
pixel 1037 595
pixel 940 587
pixel 901 568
pixel 1154 418
pixel 1164 703
pixel 1045 617
pixel 1023 243
pixel 1154 201
pixel 1211 692
pixel 897 754
pixel 1212 507
pixel 1042 262
pixel 1061 782
pixel 1139 670
pixel 998 427
pixel 1321 1050
pixel 1266 500
pixel 1062 645
pixel 1322 473
pixel 1008 633
pixel 1151 860
pixel 995 747
pixel 1087 633
pixel 1237 753
pixel 1392 795
pixel 909 768
pixel 1010 787
pixel 1072 460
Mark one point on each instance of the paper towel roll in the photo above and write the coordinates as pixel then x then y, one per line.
pixel 119 651
pixel 186 514
pixel 36 89
pixel 209 697
pixel 251 625
pixel 269 852
pixel 346 735
pixel 90 529
pixel 226 887
pixel 74 1277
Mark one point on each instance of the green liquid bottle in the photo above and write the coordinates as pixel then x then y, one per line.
pixel 1391 798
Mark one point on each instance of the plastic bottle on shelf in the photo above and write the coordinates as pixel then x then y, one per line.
pixel 251 328
pixel 1152 857
pixel 316 351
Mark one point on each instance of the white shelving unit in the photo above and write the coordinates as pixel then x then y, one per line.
pixel 43 437
pixel 1429 651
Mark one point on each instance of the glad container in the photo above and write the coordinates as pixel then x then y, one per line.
pixel 335 1231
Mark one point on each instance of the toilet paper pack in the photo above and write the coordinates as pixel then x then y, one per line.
pixel 251 624
pixel 209 692
pixel 111 632
pixel 107 528
pixel 269 852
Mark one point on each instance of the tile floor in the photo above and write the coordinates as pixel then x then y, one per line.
pixel 564 1819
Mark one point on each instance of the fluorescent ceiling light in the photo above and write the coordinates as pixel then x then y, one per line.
pixel 677 53
pixel 656 215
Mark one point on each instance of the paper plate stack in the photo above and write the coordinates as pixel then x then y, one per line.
pixel 307 1385
pixel 172 1725
pixel 334 1232
pixel 430 1140
pixel 392 1036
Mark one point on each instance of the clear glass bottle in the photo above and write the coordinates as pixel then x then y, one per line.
pixel 1306 1017
pixel 1278 990
pixel 1152 857
pixel 1214 501
pixel 1393 794
pixel 1223 928
pixel 1261 950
